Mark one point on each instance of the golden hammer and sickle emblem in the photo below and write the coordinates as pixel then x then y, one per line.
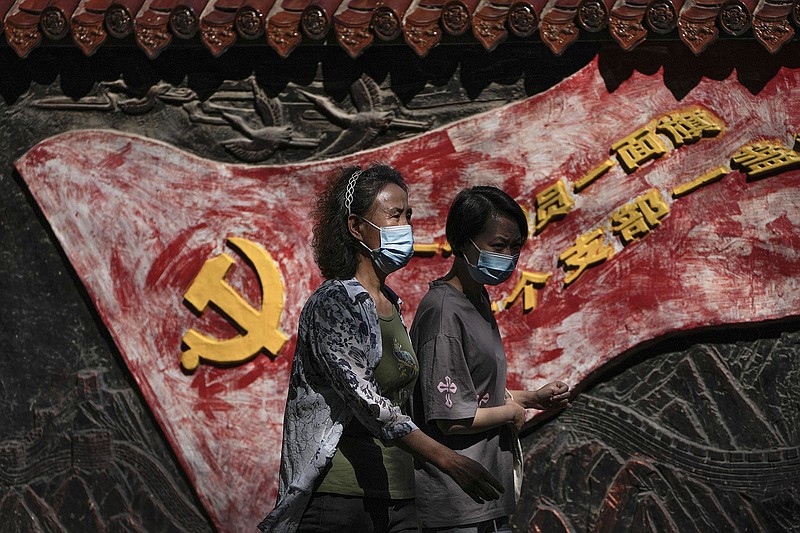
pixel 261 327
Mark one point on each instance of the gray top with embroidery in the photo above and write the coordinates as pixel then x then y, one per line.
pixel 462 368
pixel 338 348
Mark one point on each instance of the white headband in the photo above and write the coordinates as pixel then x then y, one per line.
pixel 348 193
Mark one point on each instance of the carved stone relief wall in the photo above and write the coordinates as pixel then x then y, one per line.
pixel 693 435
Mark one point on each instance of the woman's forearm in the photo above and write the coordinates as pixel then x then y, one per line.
pixel 485 418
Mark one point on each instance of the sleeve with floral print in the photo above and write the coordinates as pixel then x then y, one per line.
pixel 341 341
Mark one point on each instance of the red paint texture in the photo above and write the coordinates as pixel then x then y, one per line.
pixel 138 218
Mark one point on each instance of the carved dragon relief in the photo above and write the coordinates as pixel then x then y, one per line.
pixel 305 120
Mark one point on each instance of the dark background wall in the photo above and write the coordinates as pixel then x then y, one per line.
pixel 665 443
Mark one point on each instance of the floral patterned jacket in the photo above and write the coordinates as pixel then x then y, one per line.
pixel 338 348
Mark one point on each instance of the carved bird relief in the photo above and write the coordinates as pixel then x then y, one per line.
pixel 261 143
pixel 117 95
pixel 362 127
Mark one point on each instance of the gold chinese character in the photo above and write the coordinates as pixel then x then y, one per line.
pixel 761 159
pixel 590 249
pixel 261 327
pixel 709 177
pixel 689 126
pixel 552 203
pixel 527 286
pixel 635 220
pixel 593 174
pixel 638 148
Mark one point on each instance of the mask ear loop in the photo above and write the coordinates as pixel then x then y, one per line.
pixel 351 187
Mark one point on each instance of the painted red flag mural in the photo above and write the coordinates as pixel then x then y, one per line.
pixel 649 216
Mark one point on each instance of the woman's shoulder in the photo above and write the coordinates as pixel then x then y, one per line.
pixel 439 310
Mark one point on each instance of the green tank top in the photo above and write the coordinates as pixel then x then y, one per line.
pixel 363 465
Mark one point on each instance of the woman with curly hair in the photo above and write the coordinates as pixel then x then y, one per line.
pixel 346 462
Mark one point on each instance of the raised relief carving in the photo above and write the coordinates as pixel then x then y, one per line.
pixel 217 38
pixel 734 18
pixel 592 15
pixel 260 327
pixel 661 16
pixel 672 443
pixel 54 23
pixel 386 24
pixel 271 135
pixel 359 128
pixel 315 23
pixel 455 18
pixel 627 32
pixel 283 38
pixel 249 22
pixel 183 22
pixel 93 462
pixel 773 34
pixel 153 40
pixel 119 21
pixel 558 35
pixel 88 36
pixel 523 19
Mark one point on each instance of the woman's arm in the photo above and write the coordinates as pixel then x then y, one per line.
pixel 473 479
pixel 485 418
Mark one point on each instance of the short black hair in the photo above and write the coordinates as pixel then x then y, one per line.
pixel 335 249
pixel 473 207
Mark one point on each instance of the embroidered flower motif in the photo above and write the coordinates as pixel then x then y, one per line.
pixel 483 400
pixel 448 387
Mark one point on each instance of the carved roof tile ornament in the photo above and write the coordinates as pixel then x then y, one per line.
pixel 22 26
pixel 119 17
pixel 150 26
pixel 317 16
pixel 251 17
pixel 5 6
pixel 283 27
pixel 421 27
pixel 184 19
pixel 456 15
pixel 421 22
pixel 55 17
pixel 352 27
pixel 697 24
pixel 216 25
pixel 387 19
pixel 771 25
pixel 593 14
pixel 662 15
pixel 524 17
pixel 736 16
pixel 626 23
pixel 558 29
pixel 87 25
pixel 489 23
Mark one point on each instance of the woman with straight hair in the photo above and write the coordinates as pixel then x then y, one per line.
pixel 461 398
pixel 346 462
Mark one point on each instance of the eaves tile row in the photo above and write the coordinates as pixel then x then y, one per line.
pixel 420 24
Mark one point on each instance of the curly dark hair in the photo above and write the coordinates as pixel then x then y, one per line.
pixel 335 249
pixel 472 207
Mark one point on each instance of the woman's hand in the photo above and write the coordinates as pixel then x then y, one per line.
pixel 554 395
pixel 473 479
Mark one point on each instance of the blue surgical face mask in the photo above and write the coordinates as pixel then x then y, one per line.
pixel 492 268
pixel 396 249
